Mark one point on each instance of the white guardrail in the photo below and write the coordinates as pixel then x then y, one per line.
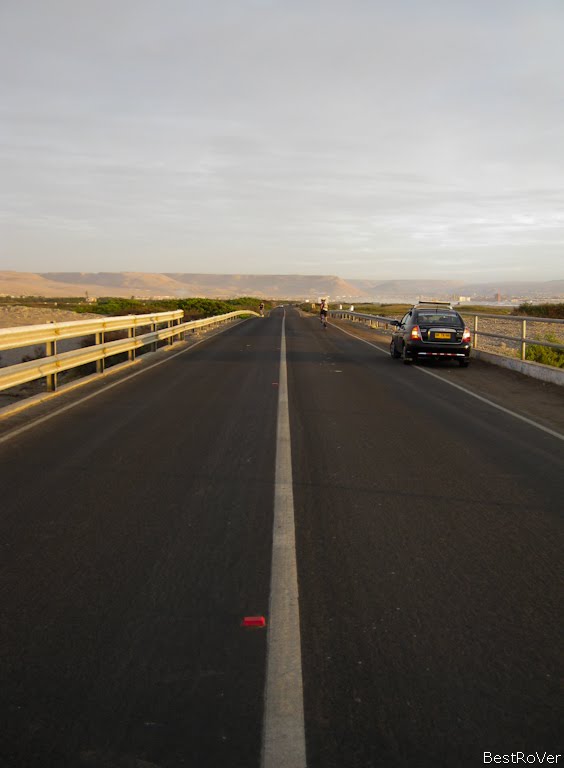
pixel 164 326
pixel 517 343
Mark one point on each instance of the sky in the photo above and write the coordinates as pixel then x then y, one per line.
pixel 361 138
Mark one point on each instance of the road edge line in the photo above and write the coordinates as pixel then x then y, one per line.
pixel 528 421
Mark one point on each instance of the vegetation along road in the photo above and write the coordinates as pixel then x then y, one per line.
pixel 137 533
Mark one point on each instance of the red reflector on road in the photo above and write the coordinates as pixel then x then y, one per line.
pixel 254 621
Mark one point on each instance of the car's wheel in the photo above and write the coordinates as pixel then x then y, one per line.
pixel 393 351
pixel 464 363
pixel 406 360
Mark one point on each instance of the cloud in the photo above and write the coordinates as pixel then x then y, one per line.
pixel 261 132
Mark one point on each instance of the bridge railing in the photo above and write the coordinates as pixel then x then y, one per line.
pixel 164 326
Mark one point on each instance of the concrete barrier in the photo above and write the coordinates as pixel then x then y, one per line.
pixel 535 370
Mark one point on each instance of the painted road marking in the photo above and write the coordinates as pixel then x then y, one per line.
pixel 283 744
pixel 530 422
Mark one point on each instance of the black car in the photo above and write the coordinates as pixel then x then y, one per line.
pixel 431 330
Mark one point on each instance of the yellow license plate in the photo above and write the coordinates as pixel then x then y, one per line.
pixel 442 335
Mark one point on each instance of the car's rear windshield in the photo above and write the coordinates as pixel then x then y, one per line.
pixel 437 317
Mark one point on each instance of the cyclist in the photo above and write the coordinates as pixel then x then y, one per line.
pixel 324 308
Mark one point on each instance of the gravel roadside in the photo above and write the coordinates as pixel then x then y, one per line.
pixel 14 315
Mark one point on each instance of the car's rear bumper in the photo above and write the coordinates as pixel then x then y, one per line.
pixel 424 350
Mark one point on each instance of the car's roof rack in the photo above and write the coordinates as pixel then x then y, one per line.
pixel 425 303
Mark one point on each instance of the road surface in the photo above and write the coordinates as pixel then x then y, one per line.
pixel 136 533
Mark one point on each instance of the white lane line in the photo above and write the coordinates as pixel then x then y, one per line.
pixel 283 744
pixel 495 405
pixel 530 422
pixel 62 409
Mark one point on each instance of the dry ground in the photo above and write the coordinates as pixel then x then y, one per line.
pixel 12 316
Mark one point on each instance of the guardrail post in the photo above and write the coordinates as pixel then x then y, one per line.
pixel 50 350
pixel 131 335
pixel 523 342
pixel 101 363
pixel 475 342
pixel 154 344
pixel 170 338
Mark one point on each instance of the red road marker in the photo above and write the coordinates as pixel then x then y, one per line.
pixel 254 621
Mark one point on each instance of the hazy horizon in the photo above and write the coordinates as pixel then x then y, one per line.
pixel 219 273
pixel 368 141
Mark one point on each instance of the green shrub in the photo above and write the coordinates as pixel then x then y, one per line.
pixel 194 308
pixel 542 310
pixel 545 355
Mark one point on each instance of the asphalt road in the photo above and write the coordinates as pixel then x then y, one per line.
pixel 135 534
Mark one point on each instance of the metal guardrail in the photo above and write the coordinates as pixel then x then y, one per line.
pixel 523 340
pixel 374 321
pixel 45 333
pixel 48 334
pixel 378 321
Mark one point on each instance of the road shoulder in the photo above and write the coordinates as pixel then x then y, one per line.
pixel 539 401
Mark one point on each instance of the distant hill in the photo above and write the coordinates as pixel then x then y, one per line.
pixel 297 287
pixel 176 285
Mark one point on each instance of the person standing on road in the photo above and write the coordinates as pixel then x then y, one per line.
pixel 261 308
pixel 324 308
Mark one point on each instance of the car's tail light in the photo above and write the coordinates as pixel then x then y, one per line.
pixel 416 333
pixel 466 336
